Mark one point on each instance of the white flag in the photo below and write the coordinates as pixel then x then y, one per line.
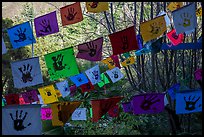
pixel 4 50
pixel 115 74
pixel 79 114
pixel 26 72
pixel 93 74
pixel 21 120
pixel 63 87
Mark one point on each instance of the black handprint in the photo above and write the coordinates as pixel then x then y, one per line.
pixel 48 92
pixel 47 114
pixel 21 35
pixel 96 75
pixel 46 27
pixel 186 19
pixel 111 62
pixel 155 28
pixel 128 61
pixel 26 73
pixel 58 62
pixel 190 104
pixel 92 48
pixel 174 35
pixel 18 122
pixel 146 104
pixel 78 114
pixel 124 40
pixel 93 5
pixel 79 79
pixel 71 14
pixel 115 74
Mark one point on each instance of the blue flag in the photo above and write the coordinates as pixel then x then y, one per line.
pixel 79 79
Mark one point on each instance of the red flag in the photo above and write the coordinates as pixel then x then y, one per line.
pixel 124 41
pixel 87 87
pixel 102 106
pixel 114 111
pixel 12 99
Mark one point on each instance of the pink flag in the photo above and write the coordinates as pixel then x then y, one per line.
pixel 46 113
pixel 91 51
pixel 174 38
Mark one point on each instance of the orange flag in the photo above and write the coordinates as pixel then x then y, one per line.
pixel 96 7
pixel 102 106
pixel 61 112
pixel 174 5
pixel 71 14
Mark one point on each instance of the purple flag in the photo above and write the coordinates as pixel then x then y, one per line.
pixel 148 103
pixel 91 51
pixel 46 24
pixel 127 107
pixel 30 96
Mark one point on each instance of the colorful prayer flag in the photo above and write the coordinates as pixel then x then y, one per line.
pixel 182 46
pixel 26 72
pixel 21 120
pixel 46 24
pixel 71 14
pixel 114 111
pixel 61 112
pixel 63 87
pixel 149 103
pixel 12 99
pixel 153 28
pixel 4 50
pixel 87 87
pixel 185 19
pixel 174 5
pixel 61 64
pixel 127 107
pixel 128 61
pixel 94 74
pixel 189 102
pixel 79 114
pixel 172 91
pixel 104 80
pixel 124 41
pixel 102 106
pixel 79 79
pixel 21 35
pixel 46 113
pixel 30 96
pixel 96 7
pixel 115 74
pixel 112 61
pixel 48 94
pixel 199 12
pixel 91 51
pixel 174 38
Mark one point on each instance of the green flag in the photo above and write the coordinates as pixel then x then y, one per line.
pixel 61 64
pixel 104 80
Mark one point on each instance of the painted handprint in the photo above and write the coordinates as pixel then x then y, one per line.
pixel 63 112
pixel 156 27
pixel 96 75
pixel 26 73
pixel 190 104
pixel 186 17
pixel 70 14
pixel 115 74
pixel 57 65
pixel 94 5
pixel 174 35
pixel 92 48
pixel 47 92
pixel 21 35
pixel 18 122
pixel 48 113
pixel 46 27
pixel 79 79
pixel 111 62
pixel 148 102
pixel 124 40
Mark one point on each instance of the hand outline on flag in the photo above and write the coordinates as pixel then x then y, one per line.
pixel 94 5
pixel 124 40
pixel 115 74
pixel 18 122
pixel 95 73
pixel 46 27
pixel 148 102
pixel 155 28
pixel 57 65
pixel 190 104
pixel 26 73
pixel 48 92
pixel 71 14
pixel 174 35
pixel 186 19
pixel 48 113
pixel 21 35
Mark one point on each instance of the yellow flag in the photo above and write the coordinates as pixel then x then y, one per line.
pixel 174 5
pixel 109 62
pixel 153 28
pixel 199 12
pixel 62 111
pixel 128 61
pixel 96 7
pixel 48 94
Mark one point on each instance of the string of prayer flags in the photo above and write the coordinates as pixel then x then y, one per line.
pixel 149 103
pixel 198 74
pixel 112 61
pixel 174 5
pixel 12 99
pixel 185 19
pixel 96 7
pixel 124 41
pixel 61 64
pixel 128 61
pixel 189 101
pixel 87 87
pixel 102 106
pixel 172 91
pixel 22 120
pixel 62 111
pixel 174 38
pixel 26 72
pixel 199 12
pixel 127 107
pixel 115 74
pixel 182 46
pixel 46 113
pixel 79 79
pixel 153 28
pixel 142 51
pixel 79 114
pixel 63 87
pixel 104 80
pixel 30 96
pixel 71 14
pixel 114 111
pixel 48 94
pixel 21 35
pixel 91 51
pixel 4 50
pixel 94 74
pixel 46 24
